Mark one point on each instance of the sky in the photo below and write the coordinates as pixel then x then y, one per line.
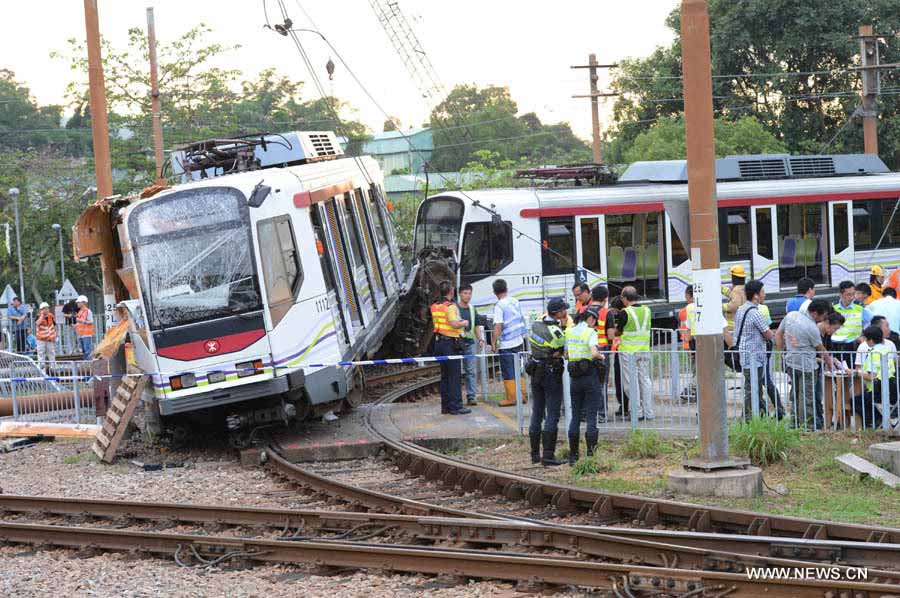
pixel 527 45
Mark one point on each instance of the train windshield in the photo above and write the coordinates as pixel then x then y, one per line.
pixel 193 255
pixel 438 223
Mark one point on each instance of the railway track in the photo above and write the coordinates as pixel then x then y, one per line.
pixel 603 506
pixel 302 540
pixel 449 526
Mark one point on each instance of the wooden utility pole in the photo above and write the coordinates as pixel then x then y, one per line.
pixel 701 166
pixel 112 290
pixel 871 86
pixel 595 96
pixel 155 103
pixel 99 119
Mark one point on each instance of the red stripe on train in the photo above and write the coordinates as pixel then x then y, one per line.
pixel 639 208
pixel 212 347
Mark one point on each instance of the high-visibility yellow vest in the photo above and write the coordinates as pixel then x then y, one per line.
pixel 440 315
pixel 636 334
pixel 873 363
pixel 764 310
pixel 853 322
pixel 578 342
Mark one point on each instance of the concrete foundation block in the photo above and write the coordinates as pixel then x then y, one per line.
pixel 888 454
pixel 730 483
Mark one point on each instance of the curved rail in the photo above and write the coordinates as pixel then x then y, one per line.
pixel 606 506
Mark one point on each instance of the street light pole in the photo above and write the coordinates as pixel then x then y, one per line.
pixel 62 261
pixel 14 192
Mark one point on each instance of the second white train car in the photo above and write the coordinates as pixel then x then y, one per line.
pixel 829 218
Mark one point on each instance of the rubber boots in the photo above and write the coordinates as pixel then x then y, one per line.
pixel 591 440
pixel 535 438
pixel 573 450
pixel 548 458
pixel 510 387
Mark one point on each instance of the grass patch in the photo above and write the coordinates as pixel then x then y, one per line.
pixel 642 444
pixel 588 466
pixel 764 440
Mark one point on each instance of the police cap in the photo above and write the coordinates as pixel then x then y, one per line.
pixel 555 305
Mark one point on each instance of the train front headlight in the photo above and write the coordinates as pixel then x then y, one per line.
pixel 183 381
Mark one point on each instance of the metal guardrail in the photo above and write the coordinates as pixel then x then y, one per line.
pixel 62 392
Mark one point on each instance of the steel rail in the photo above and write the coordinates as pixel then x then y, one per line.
pixel 607 506
pixel 655 549
pixel 396 376
pixel 458 562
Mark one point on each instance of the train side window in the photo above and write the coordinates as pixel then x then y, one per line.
pixel 487 249
pixel 892 238
pixel 841 231
pixel 282 271
pixel 734 233
pixel 352 232
pixel 558 241
pixel 590 244
pixel 862 224
pixel 679 253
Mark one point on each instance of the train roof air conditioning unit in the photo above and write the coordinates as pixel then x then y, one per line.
pixel 217 157
pixel 759 167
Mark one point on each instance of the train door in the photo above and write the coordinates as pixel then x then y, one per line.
pixel 590 249
pixel 678 264
pixel 347 293
pixel 373 263
pixel 764 250
pixel 333 273
pixel 356 259
pixel 558 256
pixel 841 249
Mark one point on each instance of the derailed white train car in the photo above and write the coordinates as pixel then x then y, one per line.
pixel 278 255
pixel 829 218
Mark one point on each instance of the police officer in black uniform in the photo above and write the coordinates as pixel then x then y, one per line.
pixel 545 367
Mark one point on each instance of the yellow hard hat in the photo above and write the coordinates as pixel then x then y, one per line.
pixel 738 271
pixel 877 271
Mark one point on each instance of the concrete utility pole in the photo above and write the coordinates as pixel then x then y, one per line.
pixel 714 472
pixel 595 95
pixel 155 103
pixel 14 193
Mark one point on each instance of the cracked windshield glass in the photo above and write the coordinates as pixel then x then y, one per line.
pixel 193 256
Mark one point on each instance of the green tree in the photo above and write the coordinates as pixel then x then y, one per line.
pixel 665 140
pixel 471 119
pixel 787 63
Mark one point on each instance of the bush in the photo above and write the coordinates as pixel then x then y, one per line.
pixel 764 440
pixel 642 444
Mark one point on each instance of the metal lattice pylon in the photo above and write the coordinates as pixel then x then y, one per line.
pixel 410 50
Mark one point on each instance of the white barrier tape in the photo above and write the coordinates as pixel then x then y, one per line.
pixel 281 369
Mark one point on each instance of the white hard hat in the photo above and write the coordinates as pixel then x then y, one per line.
pixel 43 305
pixel 81 299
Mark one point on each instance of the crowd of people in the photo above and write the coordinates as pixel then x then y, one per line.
pixel 849 337
pixel 602 337
pixel 40 340
pixel 599 336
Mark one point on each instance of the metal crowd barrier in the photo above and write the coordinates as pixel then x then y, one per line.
pixel 820 399
pixel 66 339
pixel 60 393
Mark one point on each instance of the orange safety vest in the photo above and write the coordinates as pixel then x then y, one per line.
pixel 440 317
pixel 893 280
pixel 82 326
pixel 45 329
pixel 683 330
pixel 602 341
